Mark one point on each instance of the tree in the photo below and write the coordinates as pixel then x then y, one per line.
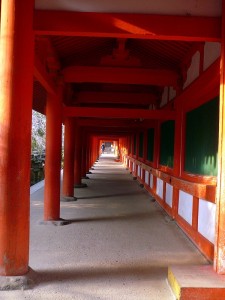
pixel 38 132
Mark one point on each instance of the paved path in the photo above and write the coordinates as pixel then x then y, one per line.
pixel 118 246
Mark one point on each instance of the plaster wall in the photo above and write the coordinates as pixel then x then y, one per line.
pixel 206 219
pixel 151 181
pixel 147 177
pixel 193 71
pixel 211 53
pixel 139 171
pixel 172 93
pixel 164 96
pixel 185 206
pixel 169 194
pixel 159 188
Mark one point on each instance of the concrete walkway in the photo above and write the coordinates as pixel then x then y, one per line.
pixel 118 246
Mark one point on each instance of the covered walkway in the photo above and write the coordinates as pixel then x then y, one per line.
pixel 118 246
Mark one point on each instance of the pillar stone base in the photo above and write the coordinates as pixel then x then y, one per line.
pixel 59 222
pixel 85 177
pixel 134 178
pixel 89 172
pixel 80 185
pixel 141 185
pixel 22 282
pixel 67 199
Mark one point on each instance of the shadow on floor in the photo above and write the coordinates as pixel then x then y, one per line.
pixel 120 217
pixel 110 195
pixel 97 273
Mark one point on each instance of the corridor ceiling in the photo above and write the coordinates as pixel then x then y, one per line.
pixel 170 7
pixel 123 68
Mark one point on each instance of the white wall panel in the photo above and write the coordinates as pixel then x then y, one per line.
pixel 172 93
pixel 193 71
pixel 139 171
pixel 185 206
pixel 159 188
pixel 164 96
pixel 147 177
pixel 151 181
pixel 169 194
pixel 211 53
pixel 206 219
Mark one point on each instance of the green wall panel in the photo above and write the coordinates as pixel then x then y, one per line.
pixel 135 145
pixel 150 144
pixel 167 143
pixel 202 127
pixel 141 144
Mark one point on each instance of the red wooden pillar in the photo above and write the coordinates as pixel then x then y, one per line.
pixel 219 256
pixel 68 172
pixel 178 155
pixel 156 155
pixel 78 159
pixel 16 82
pixel 84 170
pixel 53 156
pixel 87 153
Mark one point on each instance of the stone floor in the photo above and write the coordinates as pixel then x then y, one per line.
pixel 118 246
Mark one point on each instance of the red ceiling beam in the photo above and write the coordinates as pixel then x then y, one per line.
pixel 121 25
pixel 115 123
pixel 43 77
pixel 118 113
pixel 116 97
pixel 121 75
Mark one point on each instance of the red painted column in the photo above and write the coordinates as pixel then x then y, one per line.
pixel 156 155
pixel 178 155
pixel 78 158
pixel 16 84
pixel 68 172
pixel 87 152
pixel 53 155
pixel 85 169
pixel 219 253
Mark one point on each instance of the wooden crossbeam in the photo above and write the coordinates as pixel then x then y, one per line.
pixel 42 76
pixel 116 97
pixel 121 25
pixel 121 75
pixel 118 113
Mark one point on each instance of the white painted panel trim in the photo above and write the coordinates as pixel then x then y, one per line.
pixel 147 177
pixel 159 188
pixel 139 171
pixel 207 219
pixel 169 194
pixel 185 206
pixel 211 53
pixel 164 96
pixel 151 181
pixel 193 71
